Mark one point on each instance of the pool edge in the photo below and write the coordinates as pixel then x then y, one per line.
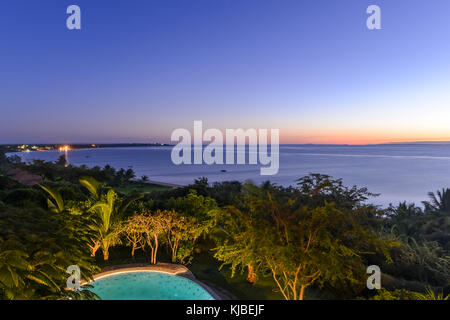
pixel 167 268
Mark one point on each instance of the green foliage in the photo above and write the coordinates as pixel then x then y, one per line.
pixel 432 295
pixel 299 242
pixel 65 172
pixel 92 185
pixel 399 294
pixel 62 161
pixel 193 205
pixel 424 255
pixel 36 247
pixel 22 197
pixel 317 189
pixel 106 223
pixel 3 159
pixel 426 262
pixel 320 234
pixel 439 202
pixel 55 203
pixel 181 233
pixel 104 211
pixel 402 294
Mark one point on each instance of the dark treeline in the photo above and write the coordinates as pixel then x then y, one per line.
pixel 314 239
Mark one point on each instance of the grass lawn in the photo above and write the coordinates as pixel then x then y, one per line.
pixel 206 269
pixel 140 187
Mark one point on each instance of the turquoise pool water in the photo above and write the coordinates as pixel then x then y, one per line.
pixel 148 286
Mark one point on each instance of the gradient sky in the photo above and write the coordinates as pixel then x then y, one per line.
pixel 138 69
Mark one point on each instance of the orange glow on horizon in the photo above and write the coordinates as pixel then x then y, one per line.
pixel 358 137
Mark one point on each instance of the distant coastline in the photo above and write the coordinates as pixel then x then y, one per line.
pixel 10 148
pixel 47 147
pixel 423 142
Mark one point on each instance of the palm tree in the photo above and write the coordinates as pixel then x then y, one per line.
pixel 431 295
pixel 106 225
pixel 406 220
pixel 439 203
pixel 108 209
pixel 438 206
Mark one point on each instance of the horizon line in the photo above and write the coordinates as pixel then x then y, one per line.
pixel 435 142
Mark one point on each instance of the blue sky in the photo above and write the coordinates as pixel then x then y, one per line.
pixel 140 68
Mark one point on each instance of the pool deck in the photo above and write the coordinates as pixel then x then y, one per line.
pixel 169 268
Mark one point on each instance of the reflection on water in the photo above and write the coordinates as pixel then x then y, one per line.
pixel 398 172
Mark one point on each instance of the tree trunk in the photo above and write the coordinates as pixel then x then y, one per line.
pixel 174 252
pixel 251 275
pixel 94 247
pixel 156 249
pixel 302 292
pixel 105 250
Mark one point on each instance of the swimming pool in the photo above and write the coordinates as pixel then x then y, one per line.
pixel 148 286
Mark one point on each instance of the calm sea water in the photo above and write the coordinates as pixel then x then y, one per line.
pixel 398 172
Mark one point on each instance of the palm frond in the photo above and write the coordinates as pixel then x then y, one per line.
pixel 58 203
pixel 91 184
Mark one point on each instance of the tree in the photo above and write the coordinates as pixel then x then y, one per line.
pixel 237 241
pixel 405 220
pixel 3 159
pixel 133 230
pixel 106 223
pixel 193 205
pixel 129 174
pixel 437 225
pixel 324 246
pixel 181 233
pixel 300 245
pixel 316 189
pixel 143 230
pixel 154 227
pixel 439 203
pixel 62 161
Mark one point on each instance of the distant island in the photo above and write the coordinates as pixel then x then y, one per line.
pixel 423 142
pixel 65 147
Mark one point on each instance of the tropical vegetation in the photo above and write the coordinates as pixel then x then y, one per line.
pixel 312 240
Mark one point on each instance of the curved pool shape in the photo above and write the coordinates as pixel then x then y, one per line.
pixel 148 286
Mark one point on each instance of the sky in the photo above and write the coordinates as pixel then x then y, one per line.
pixel 138 69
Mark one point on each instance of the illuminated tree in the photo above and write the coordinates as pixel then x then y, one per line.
pixel 181 233
pixel 297 244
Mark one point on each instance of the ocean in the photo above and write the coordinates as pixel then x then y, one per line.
pixel 399 172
